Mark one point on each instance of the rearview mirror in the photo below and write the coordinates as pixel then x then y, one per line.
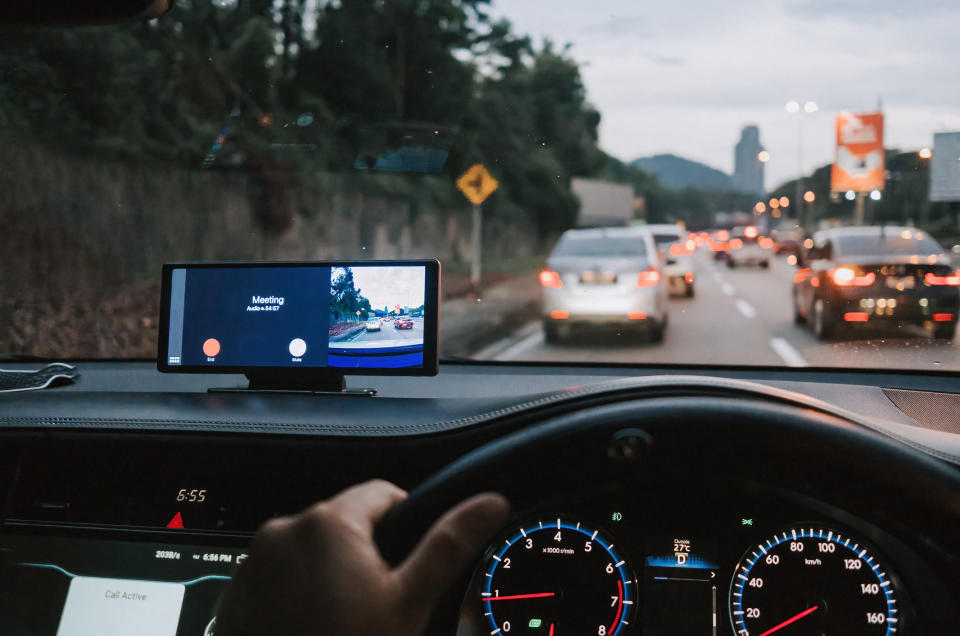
pixel 80 12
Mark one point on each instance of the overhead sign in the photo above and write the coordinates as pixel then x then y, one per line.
pixel 859 162
pixel 477 184
pixel 945 167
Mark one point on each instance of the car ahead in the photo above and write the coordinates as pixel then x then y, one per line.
pixel 604 277
pixel 786 239
pixel 373 324
pixel 676 250
pixel 863 275
pixel 747 247
pixel 403 323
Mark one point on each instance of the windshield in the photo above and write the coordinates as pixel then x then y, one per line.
pixel 896 245
pixel 479 132
pixel 600 247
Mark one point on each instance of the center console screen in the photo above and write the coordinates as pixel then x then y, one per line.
pixel 52 586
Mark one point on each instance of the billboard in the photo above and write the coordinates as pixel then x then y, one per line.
pixel 945 167
pixel 859 162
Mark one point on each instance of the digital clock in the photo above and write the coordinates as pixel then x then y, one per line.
pixel 192 495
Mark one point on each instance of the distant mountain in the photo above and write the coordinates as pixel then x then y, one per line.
pixel 677 172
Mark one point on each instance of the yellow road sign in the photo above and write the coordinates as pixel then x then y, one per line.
pixel 477 184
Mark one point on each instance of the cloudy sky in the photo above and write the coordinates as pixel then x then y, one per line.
pixel 389 286
pixel 684 76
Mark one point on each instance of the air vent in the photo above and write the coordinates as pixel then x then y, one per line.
pixel 936 411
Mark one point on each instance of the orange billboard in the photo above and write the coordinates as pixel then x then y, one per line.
pixel 859 162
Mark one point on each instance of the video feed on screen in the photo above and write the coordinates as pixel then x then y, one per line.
pixel 376 317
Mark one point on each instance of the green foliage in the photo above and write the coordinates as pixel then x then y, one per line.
pixel 221 86
pixel 345 299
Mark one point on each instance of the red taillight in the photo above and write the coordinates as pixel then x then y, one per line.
pixel 637 315
pixel 736 244
pixel 943 317
pixel 688 277
pixel 679 249
pixel 549 278
pixel 932 279
pixel 559 314
pixel 848 277
pixel 648 278
pixel 765 243
pixel 856 316
pixel 718 246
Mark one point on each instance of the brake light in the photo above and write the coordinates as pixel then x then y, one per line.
pixel 719 246
pixel 847 277
pixel 943 317
pixel 856 316
pixel 688 277
pixel 765 243
pixel 559 314
pixel 648 278
pixel 736 244
pixel 932 279
pixel 637 315
pixel 549 278
pixel 679 249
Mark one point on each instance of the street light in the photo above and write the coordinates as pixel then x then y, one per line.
pixel 774 203
pixel 763 156
pixel 925 153
pixel 850 195
pixel 784 202
pixel 808 108
pixel 875 195
pixel 809 196
pixel 760 207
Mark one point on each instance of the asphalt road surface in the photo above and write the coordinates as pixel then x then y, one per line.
pixel 389 332
pixel 739 316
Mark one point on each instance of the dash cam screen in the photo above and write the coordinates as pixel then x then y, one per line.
pixel 80 587
pixel 360 317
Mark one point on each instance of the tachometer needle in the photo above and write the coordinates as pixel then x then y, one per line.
pixel 514 597
pixel 792 619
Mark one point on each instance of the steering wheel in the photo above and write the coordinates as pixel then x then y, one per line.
pixel 689 433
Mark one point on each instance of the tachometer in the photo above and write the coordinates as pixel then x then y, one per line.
pixel 557 577
pixel 812 581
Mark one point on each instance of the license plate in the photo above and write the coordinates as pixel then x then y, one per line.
pixel 598 278
pixel 901 282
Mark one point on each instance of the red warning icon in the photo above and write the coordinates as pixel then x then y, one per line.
pixel 176 522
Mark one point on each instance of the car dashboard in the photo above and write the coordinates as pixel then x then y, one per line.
pixel 645 501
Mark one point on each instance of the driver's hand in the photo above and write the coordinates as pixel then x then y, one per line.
pixel 319 572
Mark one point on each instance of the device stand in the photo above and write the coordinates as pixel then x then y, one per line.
pixel 298 382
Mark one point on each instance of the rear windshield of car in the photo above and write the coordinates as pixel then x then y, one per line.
pixel 614 246
pixel 665 239
pixel 890 245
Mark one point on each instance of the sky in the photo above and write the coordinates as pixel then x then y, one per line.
pixel 389 286
pixel 685 76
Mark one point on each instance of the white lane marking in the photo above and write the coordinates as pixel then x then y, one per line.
pixel 525 344
pixel 727 289
pixel 787 351
pixel 745 308
pixel 490 352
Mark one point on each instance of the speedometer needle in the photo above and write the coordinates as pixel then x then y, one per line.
pixel 518 596
pixel 792 619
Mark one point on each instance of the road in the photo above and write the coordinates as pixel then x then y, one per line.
pixel 389 332
pixel 739 316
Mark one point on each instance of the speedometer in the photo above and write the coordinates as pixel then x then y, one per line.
pixel 812 581
pixel 555 577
